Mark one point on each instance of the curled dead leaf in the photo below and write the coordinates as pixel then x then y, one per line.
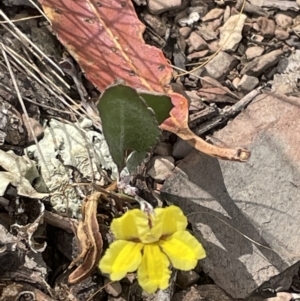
pixel 90 241
pixel 178 124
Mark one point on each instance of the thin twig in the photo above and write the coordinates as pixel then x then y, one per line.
pixel 86 114
pixel 27 40
pixel 8 90
pixel 14 55
pixel 21 19
pixel 23 106
pixel 36 55
pixel 69 68
pixel 226 114
pixel 40 10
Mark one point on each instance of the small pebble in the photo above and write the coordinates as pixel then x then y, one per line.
pixel 253 52
pixel 283 20
pixel 196 42
pixel 186 278
pixel 163 149
pixel 235 82
pixel 185 31
pixel 197 54
pixel 160 167
pixel 112 288
pixel 248 83
pixel 281 34
pixel 213 14
pixel 192 18
pixel 181 149
pixel 266 26
pixel 214 46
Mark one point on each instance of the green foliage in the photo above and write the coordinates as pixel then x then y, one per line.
pixel 130 122
pixel 161 105
pixel 134 159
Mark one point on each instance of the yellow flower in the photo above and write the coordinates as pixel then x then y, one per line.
pixel 148 243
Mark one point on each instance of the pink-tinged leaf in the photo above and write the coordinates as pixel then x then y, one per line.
pixel 105 38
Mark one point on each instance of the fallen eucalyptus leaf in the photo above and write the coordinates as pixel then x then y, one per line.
pixel 116 49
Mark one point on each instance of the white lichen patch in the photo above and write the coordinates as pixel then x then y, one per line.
pixel 67 147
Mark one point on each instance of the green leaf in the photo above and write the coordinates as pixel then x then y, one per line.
pixel 134 159
pixel 127 122
pixel 161 105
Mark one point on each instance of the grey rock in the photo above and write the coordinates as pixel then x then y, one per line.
pixel 18 3
pixel 286 81
pixel 155 23
pixel 281 296
pixel 278 4
pixel 207 292
pixel 163 149
pixel 262 63
pixel 194 75
pixel 181 149
pixel 160 167
pixel 248 83
pixel 293 41
pixel 186 278
pixel 200 6
pixel 220 65
pixel 232 205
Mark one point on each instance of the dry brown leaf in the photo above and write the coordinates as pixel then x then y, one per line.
pixel 90 240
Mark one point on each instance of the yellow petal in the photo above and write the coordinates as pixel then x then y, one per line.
pixel 153 272
pixel 164 222
pixel 121 258
pixel 131 225
pixel 183 250
pixel 169 220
